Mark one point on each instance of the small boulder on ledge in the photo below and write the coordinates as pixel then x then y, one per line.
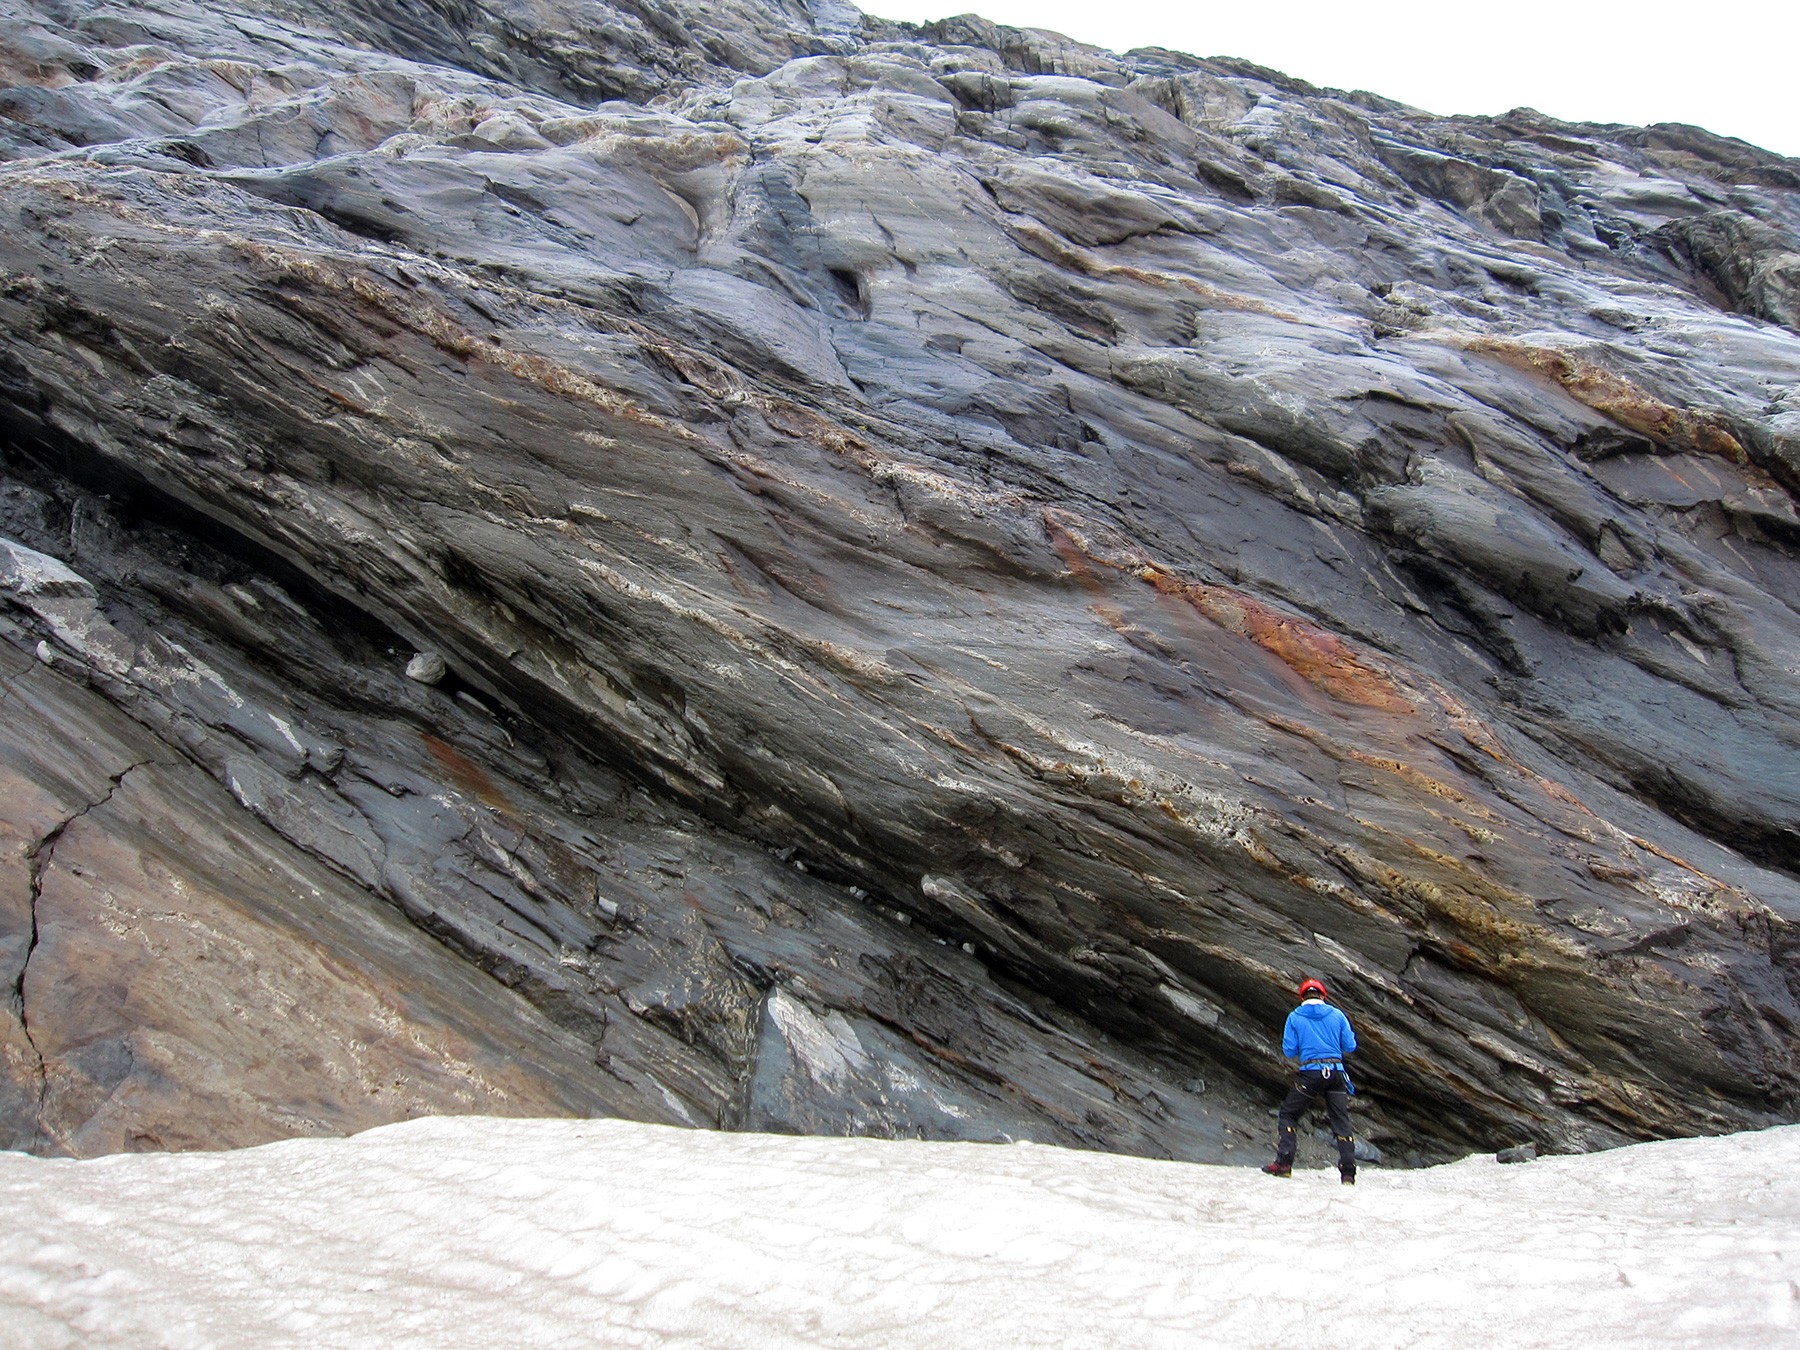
pixel 426 668
pixel 1518 1154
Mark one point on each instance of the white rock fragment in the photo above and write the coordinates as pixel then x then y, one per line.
pixel 827 1047
pixel 426 668
pixel 1197 1009
pixel 68 605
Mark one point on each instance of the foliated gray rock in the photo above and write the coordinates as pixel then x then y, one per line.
pixel 971 563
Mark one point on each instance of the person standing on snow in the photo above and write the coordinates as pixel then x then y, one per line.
pixel 1316 1039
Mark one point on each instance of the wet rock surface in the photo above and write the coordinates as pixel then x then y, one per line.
pixel 962 564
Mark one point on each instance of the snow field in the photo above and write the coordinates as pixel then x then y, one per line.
pixel 477 1232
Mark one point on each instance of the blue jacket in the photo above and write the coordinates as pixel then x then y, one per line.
pixel 1317 1033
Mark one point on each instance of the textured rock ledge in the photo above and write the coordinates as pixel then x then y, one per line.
pixel 964 564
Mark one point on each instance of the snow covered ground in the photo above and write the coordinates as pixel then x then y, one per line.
pixel 469 1232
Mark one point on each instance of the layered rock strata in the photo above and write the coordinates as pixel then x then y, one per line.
pixel 962 564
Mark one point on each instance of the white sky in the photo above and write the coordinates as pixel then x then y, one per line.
pixel 1731 66
pixel 475 1233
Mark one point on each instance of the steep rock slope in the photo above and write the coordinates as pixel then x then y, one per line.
pixel 965 563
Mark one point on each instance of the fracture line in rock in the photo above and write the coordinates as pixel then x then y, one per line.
pixel 40 859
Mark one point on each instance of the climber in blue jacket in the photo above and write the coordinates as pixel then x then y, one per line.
pixel 1316 1038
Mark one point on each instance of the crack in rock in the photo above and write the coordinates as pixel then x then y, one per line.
pixel 39 860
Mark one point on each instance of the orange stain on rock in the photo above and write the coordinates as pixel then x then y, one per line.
pixel 1321 658
pixel 1079 565
pixel 466 774
pixel 1618 398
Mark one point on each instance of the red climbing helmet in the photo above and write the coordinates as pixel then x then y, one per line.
pixel 1313 989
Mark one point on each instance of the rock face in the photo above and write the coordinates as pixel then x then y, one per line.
pixel 963 564
pixel 201 992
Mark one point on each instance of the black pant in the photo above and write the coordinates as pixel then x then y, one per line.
pixel 1309 1086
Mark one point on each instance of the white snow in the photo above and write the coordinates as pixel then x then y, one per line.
pixel 473 1232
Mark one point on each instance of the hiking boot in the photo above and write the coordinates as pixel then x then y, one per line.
pixel 1348 1176
pixel 1279 1169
